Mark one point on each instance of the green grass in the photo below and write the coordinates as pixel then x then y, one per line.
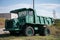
pixel 57 22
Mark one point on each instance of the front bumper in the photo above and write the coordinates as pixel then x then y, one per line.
pixel 11 29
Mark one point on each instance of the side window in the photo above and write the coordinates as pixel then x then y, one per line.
pixel 31 13
pixel 22 13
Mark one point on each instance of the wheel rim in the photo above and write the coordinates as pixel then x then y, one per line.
pixel 47 32
pixel 30 32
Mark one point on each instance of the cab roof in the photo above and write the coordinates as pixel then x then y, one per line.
pixel 22 9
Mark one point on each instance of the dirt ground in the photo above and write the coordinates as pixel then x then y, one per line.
pixel 3 32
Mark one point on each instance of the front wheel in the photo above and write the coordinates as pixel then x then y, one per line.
pixel 29 31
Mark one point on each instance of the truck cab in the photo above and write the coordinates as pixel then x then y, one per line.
pixel 24 15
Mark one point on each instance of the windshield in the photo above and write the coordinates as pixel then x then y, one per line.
pixel 22 13
pixel 14 15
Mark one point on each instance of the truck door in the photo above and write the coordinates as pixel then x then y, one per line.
pixel 30 17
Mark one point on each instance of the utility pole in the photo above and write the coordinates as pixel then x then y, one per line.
pixel 33 4
pixel 54 14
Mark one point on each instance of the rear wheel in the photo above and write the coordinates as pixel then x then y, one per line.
pixel 29 31
pixel 44 32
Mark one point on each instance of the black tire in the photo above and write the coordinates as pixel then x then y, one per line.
pixel 29 31
pixel 46 32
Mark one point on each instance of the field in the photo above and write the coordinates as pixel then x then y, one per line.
pixel 10 37
pixel 55 34
pixel 2 22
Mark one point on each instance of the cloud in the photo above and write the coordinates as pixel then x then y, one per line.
pixel 37 6
pixel 48 6
pixel 57 15
pixel 47 9
pixel 43 12
pixel 13 7
pixel 41 9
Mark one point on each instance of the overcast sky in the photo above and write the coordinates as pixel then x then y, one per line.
pixel 42 7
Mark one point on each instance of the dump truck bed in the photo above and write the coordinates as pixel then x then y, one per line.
pixel 44 20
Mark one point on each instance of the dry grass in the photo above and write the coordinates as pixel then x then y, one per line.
pixel 2 22
pixel 53 36
pixel 29 38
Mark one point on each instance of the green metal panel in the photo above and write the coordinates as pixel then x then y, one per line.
pixel 42 20
pixel 49 21
pixel 29 19
pixel 12 24
pixel 22 20
pixel 46 21
pixel 37 20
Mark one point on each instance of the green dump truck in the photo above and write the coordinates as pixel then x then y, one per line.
pixel 28 23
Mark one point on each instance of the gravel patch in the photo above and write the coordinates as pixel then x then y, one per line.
pixel 3 32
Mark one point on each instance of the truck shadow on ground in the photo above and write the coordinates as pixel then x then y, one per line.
pixel 4 35
pixel 9 35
